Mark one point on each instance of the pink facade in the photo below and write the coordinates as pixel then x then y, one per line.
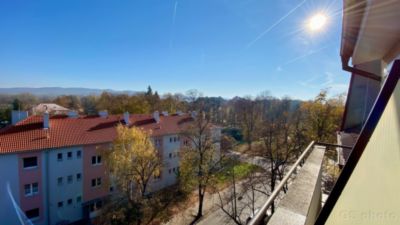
pixel 91 171
pixel 30 176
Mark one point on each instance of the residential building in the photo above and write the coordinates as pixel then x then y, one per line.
pixel 51 108
pixel 52 170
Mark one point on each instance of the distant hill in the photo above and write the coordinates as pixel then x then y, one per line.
pixel 55 91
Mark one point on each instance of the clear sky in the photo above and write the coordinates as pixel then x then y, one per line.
pixel 220 47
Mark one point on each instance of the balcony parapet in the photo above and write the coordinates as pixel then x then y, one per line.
pixel 302 202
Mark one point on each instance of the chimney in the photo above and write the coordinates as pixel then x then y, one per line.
pixel 164 113
pixel 17 116
pixel 126 118
pixel 103 114
pixel 72 114
pixel 46 120
pixel 156 116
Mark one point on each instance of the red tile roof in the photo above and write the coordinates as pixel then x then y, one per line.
pixel 28 135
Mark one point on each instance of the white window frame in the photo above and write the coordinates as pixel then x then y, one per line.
pixel 98 160
pixel 62 157
pixel 78 156
pixel 72 155
pixel 30 167
pixel 97 182
pixel 31 189
pixel 70 181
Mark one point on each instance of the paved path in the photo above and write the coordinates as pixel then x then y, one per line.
pixel 212 214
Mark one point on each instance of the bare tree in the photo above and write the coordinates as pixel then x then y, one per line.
pixel 199 158
pixel 249 115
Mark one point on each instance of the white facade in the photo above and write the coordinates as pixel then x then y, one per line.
pixel 68 192
pixel 9 178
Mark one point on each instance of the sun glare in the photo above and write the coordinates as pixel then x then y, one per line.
pixel 317 22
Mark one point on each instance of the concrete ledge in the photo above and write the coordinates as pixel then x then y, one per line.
pixel 302 202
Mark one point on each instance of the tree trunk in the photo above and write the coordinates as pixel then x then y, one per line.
pixel 200 208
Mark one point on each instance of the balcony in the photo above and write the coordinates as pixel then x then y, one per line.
pixel 304 198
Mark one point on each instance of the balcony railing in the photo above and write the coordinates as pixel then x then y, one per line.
pixel 310 181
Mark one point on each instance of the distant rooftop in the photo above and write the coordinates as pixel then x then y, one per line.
pixel 49 107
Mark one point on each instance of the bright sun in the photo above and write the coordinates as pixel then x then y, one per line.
pixel 317 22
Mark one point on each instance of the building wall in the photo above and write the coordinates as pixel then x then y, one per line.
pixel 9 177
pixel 30 176
pixel 371 195
pixel 362 96
pixel 65 191
pixel 92 172
pixel 171 146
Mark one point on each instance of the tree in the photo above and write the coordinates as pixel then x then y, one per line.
pixel 248 114
pixel 89 104
pixel 24 101
pixel 199 160
pixel 132 163
pixel 323 117
pixel 229 200
pixel 68 101
pixel 149 91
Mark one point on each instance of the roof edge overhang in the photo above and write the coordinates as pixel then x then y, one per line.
pixel 353 13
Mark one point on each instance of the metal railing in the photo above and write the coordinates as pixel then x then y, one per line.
pixel 262 213
pixel 259 217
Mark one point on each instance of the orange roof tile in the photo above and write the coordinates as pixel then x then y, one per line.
pixel 28 134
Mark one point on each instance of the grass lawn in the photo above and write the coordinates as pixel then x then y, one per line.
pixel 241 170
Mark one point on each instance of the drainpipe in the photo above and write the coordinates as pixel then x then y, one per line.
pixel 363 73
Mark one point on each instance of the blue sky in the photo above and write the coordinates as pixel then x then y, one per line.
pixel 220 47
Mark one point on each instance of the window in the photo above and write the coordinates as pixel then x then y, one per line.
pixel 59 156
pixel 69 179
pixel 69 155
pixel 78 154
pixel 178 138
pixel 79 199
pixel 96 182
pixel 174 139
pixel 69 201
pixel 60 181
pixel 31 189
pixel 95 206
pixel 112 189
pixel 96 160
pixel 60 204
pixel 32 214
pixel 30 162
pixel 170 155
pixel 78 177
pixel 170 139
pixel 169 171
pixel 173 169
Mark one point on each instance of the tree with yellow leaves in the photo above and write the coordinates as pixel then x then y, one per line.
pixel 132 163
